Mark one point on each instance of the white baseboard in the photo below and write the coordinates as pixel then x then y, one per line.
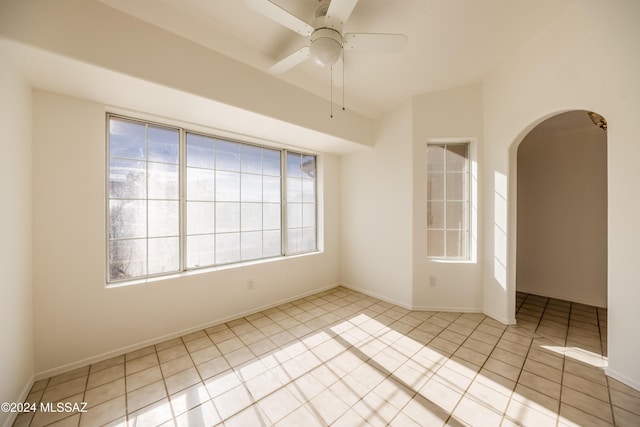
pixel 622 378
pixel 572 298
pixel 378 296
pixel 22 398
pixel 447 309
pixel 410 306
pixel 127 349
pixel 499 318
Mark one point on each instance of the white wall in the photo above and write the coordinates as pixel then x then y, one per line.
pixel 384 206
pixel 588 59
pixel 77 319
pixel 453 113
pixel 16 306
pixel 376 212
pixel 562 213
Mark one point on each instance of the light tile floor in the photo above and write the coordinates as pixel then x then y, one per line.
pixel 342 358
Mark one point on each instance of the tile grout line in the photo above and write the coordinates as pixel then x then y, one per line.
pixel 40 401
pixel 126 394
pixel 199 376
pixel 373 337
pixel 452 354
pixel 415 392
pixel 610 403
pixel 517 381
pixel 526 356
pixel 340 378
pixel 231 368
pixel 564 361
pixel 84 393
pixel 606 377
pixel 291 380
pixel 164 383
pixel 478 373
pixel 390 374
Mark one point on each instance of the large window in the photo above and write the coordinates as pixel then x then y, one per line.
pixel 448 210
pixel 181 200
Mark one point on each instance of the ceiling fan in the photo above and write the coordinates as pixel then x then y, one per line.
pixel 326 41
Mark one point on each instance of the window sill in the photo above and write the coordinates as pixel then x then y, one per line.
pixel 451 261
pixel 205 270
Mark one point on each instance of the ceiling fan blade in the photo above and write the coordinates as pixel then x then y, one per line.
pixel 281 16
pixel 370 42
pixel 290 61
pixel 341 9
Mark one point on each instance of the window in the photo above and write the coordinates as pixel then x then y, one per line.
pixel 180 200
pixel 448 213
pixel 301 202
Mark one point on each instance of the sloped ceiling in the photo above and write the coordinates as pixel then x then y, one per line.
pixel 451 42
pixel 228 48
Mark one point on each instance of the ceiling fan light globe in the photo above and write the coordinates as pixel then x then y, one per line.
pixel 325 51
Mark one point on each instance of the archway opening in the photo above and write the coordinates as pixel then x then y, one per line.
pixel 561 248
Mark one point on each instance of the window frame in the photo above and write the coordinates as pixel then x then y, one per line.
pixel 182 201
pixel 468 200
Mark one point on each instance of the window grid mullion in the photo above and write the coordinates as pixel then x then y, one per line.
pixel 146 196
pixel 284 202
pixel 240 202
pixel 215 201
pixel 182 197
pixel 444 202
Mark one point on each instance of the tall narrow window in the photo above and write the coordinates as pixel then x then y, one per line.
pixel 448 200
pixel 232 196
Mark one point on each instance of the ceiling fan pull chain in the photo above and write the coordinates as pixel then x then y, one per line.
pixel 331 91
pixel 344 64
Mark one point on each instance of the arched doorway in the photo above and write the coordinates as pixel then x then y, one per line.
pixel 562 210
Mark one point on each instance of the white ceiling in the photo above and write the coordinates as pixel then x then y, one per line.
pixel 451 42
pixel 151 101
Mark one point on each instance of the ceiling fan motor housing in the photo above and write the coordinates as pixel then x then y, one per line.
pixel 326 46
pixel 322 9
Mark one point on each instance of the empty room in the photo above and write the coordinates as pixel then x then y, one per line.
pixel 319 212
